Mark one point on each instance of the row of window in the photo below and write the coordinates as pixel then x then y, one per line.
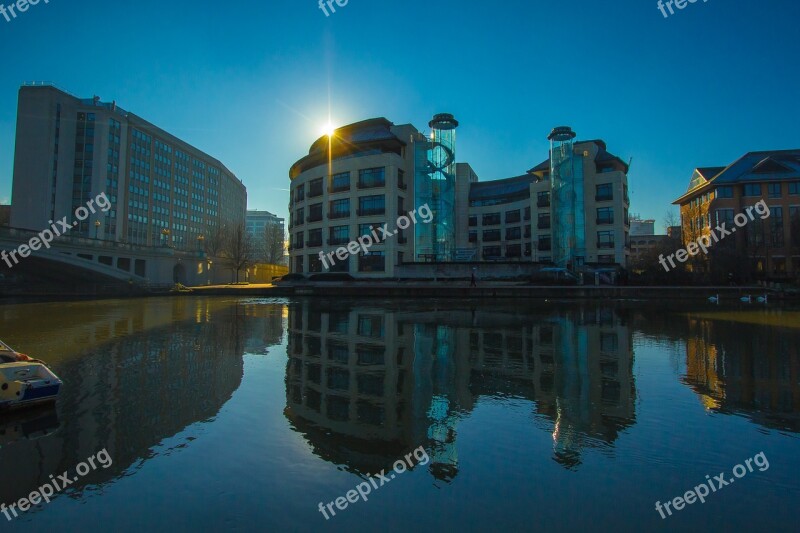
pixel 774 190
pixel 340 235
pixel 368 178
pixel 367 206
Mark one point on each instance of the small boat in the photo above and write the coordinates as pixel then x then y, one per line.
pixel 714 299
pixel 762 299
pixel 25 382
pixel 746 299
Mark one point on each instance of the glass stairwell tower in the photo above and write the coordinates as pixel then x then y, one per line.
pixel 566 201
pixel 435 186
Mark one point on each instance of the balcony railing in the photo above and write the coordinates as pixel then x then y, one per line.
pixel 335 215
pixel 543 202
pixel 402 185
pixel 336 241
pixel 371 185
pixel 314 243
pixel 543 225
pixel 315 191
pixel 315 218
pixel 544 247
pixel 603 197
pixel 371 212
pixel 605 245
pixel 605 221
pixel 338 189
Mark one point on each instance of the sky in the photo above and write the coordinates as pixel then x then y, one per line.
pixel 253 83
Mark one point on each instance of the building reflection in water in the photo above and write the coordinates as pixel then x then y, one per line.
pixel 148 369
pixel 746 369
pixel 367 384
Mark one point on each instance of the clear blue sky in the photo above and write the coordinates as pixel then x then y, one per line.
pixel 252 83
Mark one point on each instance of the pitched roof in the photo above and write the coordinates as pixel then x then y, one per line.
pixel 770 165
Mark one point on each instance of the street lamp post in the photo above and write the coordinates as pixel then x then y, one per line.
pixel 165 234
pixel 200 242
pixel 96 229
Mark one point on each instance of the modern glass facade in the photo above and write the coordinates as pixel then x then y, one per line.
pixel 436 186
pixel 567 201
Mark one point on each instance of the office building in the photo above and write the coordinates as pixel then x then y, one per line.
pixel 762 248
pixel 257 223
pixel 361 177
pixel 162 190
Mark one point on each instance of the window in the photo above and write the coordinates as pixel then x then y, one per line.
pixel 794 188
pixel 491 219
pixel 605 239
pixel 370 326
pixel 725 216
pixel 544 221
pixel 340 182
pixel 473 236
pixel 339 208
pixel 776 226
pixel 339 235
pixel 401 180
pixel 514 250
pixel 725 192
pixel 299 242
pixel 314 263
pixel 367 229
pixel 604 193
pixel 315 188
pixel 315 238
pixel 605 259
pixel 298 264
pixel 371 177
pixel 543 199
pixel 512 217
pixel 545 244
pixel 605 215
pixel 774 190
pixel 752 189
pixel 473 221
pixel 491 235
pixel 527 232
pixel 527 213
pixel 371 205
pixel 299 217
pixel 372 262
pixel 513 234
pixel 491 252
pixel 315 213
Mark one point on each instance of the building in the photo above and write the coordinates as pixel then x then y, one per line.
pixel 357 179
pixel 5 215
pixel 642 227
pixel 161 190
pixel 595 228
pixel 257 223
pixel 716 195
pixel 360 178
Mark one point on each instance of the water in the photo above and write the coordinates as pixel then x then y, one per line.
pixel 246 414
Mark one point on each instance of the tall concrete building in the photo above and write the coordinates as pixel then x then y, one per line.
pixel 162 190
pixel 257 223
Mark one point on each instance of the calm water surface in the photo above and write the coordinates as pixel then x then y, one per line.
pixel 245 414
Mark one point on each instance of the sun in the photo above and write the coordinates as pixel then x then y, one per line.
pixel 328 129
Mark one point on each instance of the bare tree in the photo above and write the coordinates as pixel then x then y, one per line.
pixel 272 245
pixel 238 249
pixel 215 241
